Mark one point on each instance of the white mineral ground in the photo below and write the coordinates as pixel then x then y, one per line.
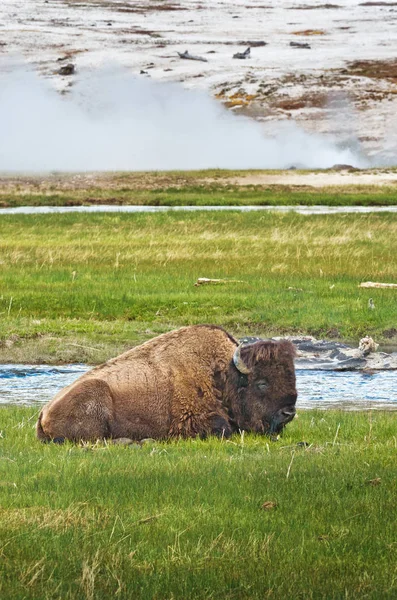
pixel 323 89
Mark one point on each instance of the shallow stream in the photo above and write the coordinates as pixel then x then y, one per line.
pixel 112 208
pixel 26 385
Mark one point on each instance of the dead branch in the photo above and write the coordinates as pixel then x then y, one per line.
pixel 373 284
pixel 206 280
pixel 188 56
pixel 148 519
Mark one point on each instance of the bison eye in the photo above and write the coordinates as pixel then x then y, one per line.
pixel 262 385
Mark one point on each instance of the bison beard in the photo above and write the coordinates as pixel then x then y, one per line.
pixel 195 381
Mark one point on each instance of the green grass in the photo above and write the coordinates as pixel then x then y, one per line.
pixel 106 282
pixel 185 519
pixel 206 195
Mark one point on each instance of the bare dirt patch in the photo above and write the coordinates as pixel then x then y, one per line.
pixel 305 101
pixel 319 179
pixel 374 69
pixel 60 183
pixel 92 183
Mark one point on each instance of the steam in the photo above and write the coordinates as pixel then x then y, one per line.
pixel 111 120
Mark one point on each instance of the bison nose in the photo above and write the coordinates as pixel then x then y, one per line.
pixel 282 417
pixel 287 414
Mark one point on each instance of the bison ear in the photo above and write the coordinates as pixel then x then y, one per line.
pixel 239 363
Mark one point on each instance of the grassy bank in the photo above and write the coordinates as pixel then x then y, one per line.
pixel 84 287
pixel 190 520
pixel 212 187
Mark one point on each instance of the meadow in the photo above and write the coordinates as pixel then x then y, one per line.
pixel 86 287
pixel 214 187
pixel 193 188
pixel 311 516
pixel 308 517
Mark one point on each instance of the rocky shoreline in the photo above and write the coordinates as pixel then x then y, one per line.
pixel 337 356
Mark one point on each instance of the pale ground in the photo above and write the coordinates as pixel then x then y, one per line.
pixel 321 87
pixel 319 179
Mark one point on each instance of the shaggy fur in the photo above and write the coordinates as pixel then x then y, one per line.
pixel 182 383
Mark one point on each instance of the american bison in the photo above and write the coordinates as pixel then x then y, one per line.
pixel 195 381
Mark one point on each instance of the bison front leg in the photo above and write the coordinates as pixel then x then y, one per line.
pixel 197 412
pixel 83 414
pixel 220 426
pixel 199 425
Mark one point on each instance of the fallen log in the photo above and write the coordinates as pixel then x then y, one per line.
pixel 188 56
pixel 374 284
pixel 206 280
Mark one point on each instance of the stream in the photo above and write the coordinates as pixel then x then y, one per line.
pixel 28 385
pixel 111 208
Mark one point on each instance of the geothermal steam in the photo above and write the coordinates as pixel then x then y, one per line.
pixel 111 120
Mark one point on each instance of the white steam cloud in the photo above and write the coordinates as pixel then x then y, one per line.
pixel 112 121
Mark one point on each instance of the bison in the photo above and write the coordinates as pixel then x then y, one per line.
pixel 195 381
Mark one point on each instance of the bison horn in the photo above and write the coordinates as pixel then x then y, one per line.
pixel 239 363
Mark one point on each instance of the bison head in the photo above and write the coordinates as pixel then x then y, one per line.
pixel 264 389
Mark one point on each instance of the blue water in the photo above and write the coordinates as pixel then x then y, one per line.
pixel 349 390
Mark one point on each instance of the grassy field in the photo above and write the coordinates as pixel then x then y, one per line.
pixel 212 187
pixel 246 518
pixel 84 287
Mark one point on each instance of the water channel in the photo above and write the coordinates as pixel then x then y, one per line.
pixel 111 208
pixel 25 385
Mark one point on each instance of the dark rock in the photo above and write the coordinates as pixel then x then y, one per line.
pixel 337 355
pixel 243 55
pixel 300 45
pixel 320 346
pixel 350 364
pixel 344 168
pixel 67 70
pixel 254 44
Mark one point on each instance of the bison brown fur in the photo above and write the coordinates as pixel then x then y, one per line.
pixel 180 384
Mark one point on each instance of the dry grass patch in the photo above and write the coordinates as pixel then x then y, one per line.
pixel 77 515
